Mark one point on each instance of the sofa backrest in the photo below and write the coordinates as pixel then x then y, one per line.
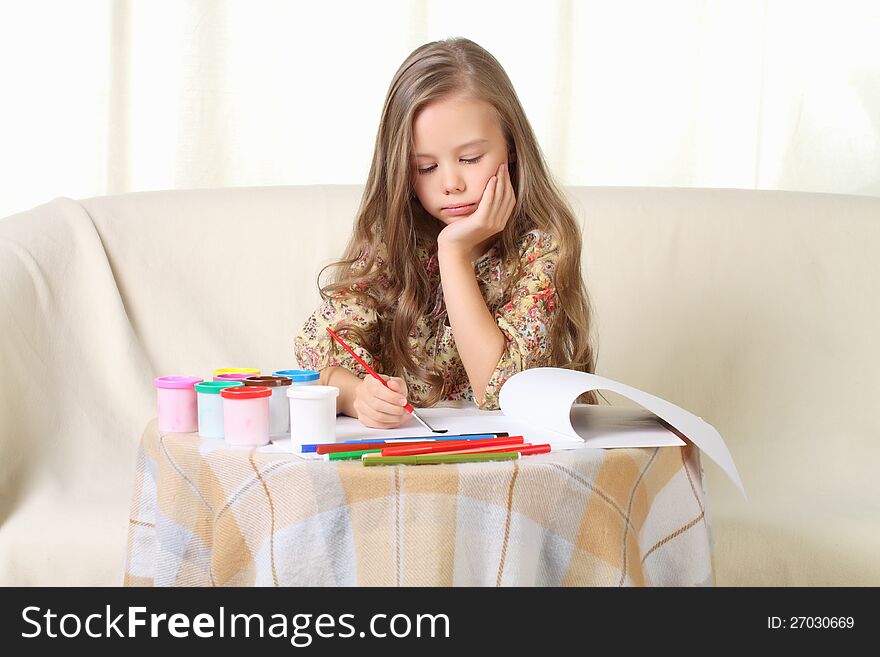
pixel 755 310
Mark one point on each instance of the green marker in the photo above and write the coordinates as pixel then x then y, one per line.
pixel 427 459
pixel 349 456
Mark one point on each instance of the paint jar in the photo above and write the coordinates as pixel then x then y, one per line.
pixel 177 404
pixel 279 407
pixel 301 377
pixel 246 415
pixel 232 376
pixel 312 414
pixel 249 371
pixel 211 406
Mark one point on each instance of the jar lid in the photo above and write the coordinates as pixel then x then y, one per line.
pixel 235 370
pixel 298 376
pixel 245 392
pixel 214 387
pixel 232 376
pixel 176 381
pixel 312 392
pixel 268 381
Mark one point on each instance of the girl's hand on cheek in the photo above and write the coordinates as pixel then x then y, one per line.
pixel 490 217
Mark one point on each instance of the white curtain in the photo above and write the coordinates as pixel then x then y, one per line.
pixel 110 96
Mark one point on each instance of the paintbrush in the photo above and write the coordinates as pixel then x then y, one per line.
pixel 382 381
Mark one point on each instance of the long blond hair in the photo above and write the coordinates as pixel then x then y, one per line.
pixel 391 280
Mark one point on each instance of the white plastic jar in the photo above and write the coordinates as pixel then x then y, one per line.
pixel 312 414
pixel 279 407
pixel 211 406
pixel 301 377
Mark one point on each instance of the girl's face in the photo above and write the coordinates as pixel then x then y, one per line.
pixel 458 147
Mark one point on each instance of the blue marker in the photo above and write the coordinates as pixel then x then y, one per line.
pixel 461 436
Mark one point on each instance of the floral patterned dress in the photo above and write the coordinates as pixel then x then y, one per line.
pixel 525 318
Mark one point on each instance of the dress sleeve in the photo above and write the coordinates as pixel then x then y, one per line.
pixel 527 316
pixel 315 349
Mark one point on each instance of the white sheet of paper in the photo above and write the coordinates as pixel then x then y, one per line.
pixel 610 426
pixel 538 404
pixel 464 419
pixel 543 397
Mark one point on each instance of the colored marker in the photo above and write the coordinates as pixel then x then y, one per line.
pixel 431 448
pixel 349 456
pixel 348 447
pixel 326 448
pixel 431 459
pixel 456 436
pixel 526 449
pixel 319 447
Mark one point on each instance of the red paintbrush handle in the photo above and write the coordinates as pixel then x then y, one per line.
pixel 364 364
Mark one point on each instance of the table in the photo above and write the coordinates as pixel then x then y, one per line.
pixel 207 514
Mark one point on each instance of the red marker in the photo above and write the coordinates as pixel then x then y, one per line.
pixel 450 446
pixel 332 448
pixel 525 449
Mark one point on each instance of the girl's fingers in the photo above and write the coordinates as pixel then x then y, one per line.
pixel 388 394
pixel 401 386
pixel 386 407
pixel 378 424
pixel 383 391
pixel 490 196
pixel 372 413
pixel 495 216
pixel 487 192
pixel 383 420
pixel 382 407
pixel 509 195
pixel 505 185
pixel 487 205
pixel 490 200
pixel 369 421
pixel 397 385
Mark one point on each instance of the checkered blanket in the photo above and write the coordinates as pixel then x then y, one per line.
pixel 207 514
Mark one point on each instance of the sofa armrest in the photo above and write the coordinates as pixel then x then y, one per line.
pixel 70 416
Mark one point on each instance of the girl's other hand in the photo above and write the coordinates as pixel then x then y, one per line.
pixel 490 217
pixel 380 407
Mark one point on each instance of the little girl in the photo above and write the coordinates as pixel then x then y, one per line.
pixel 464 267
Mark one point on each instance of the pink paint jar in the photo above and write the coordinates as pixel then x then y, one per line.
pixel 232 376
pixel 177 403
pixel 246 415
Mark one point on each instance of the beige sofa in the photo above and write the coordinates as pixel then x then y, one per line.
pixel 755 310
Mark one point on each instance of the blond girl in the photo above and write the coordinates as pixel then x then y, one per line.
pixel 464 266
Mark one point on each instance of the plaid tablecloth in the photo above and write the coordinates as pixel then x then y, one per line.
pixel 206 514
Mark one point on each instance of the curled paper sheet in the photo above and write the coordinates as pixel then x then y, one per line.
pixel 543 397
